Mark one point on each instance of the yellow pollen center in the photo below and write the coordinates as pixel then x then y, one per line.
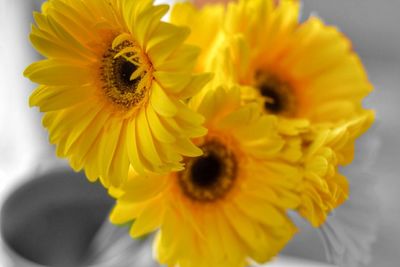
pixel 125 75
pixel 210 176
pixel 278 96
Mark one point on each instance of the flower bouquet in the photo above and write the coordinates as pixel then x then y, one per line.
pixel 207 128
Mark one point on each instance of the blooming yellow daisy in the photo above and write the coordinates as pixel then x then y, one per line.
pixel 298 70
pixel 324 150
pixel 308 75
pixel 322 188
pixel 229 205
pixel 304 73
pixel 288 68
pixel 113 86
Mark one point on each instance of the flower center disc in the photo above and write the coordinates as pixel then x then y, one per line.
pixel 124 75
pixel 210 176
pixel 277 96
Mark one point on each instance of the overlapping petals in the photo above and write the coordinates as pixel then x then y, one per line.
pixel 249 222
pixel 94 131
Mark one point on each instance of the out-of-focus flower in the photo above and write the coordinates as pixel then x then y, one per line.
pixel 304 73
pixel 113 86
pixel 324 150
pixel 206 20
pixel 229 205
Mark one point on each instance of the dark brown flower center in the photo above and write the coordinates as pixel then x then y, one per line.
pixel 123 70
pixel 116 71
pixel 210 176
pixel 206 170
pixel 278 97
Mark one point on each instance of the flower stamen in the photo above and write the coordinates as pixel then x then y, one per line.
pixel 210 176
pixel 124 74
pixel 278 96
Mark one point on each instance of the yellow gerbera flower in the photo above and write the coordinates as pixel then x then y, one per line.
pixel 322 188
pixel 113 86
pixel 296 70
pixel 324 150
pixel 310 78
pixel 229 205
pixel 304 73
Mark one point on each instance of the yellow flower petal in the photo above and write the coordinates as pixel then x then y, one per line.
pixel 54 72
pixel 149 220
pixel 111 58
pixel 161 103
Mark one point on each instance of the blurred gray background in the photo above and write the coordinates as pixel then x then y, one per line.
pixel 374 29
